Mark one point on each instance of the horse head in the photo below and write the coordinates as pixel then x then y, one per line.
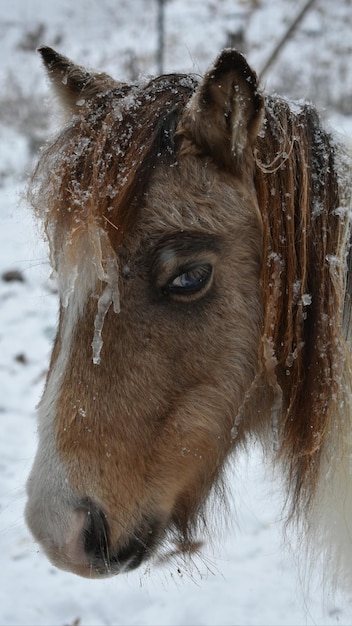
pixel 195 231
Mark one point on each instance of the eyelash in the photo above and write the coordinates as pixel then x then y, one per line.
pixel 189 280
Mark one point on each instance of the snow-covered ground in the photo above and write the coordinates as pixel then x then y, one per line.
pixel 246 577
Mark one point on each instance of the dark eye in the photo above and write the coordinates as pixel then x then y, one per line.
pixel 189 281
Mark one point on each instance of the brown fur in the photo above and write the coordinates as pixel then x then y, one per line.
pixel 177 173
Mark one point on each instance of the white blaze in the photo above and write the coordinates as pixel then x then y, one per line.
pixel 84 264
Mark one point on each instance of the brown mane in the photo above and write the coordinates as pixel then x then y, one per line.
pixel 110 150
pixel 303 283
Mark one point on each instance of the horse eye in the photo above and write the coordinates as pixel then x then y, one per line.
pixel 189 281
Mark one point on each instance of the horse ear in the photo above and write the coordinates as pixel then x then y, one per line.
pixel 71 82
pixel 225 114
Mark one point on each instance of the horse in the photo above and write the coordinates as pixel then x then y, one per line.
pixel 199 230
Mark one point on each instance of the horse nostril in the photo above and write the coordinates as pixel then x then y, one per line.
pixel 96 535
pixel 128 556
pixel 96 542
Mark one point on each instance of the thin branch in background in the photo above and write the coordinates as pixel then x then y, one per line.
pixel 161 38
pixel 287 35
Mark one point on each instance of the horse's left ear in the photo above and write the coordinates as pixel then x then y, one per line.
pixel 225 115
pixel 73 83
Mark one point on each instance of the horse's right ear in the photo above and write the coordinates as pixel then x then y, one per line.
pixel 73 84
pixel 225 114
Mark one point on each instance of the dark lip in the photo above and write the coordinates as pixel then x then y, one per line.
pixel 106 560
pixel 126 560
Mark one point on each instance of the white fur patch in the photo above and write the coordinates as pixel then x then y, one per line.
pixel 83 265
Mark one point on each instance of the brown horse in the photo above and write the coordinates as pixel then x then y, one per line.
pixel 200 236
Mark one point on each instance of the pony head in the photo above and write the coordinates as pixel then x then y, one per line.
pixel 178 213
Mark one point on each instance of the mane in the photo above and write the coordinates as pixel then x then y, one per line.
pixel 97 168
pixel 306 234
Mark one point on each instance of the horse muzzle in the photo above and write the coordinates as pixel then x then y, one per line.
pixel 80 542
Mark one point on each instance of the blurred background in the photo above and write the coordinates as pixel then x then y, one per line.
pixel 301 49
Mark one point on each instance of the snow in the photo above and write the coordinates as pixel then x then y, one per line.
pixel 244 575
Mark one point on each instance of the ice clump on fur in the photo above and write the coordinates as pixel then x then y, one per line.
pixel 87 262
pixel 110 296
pixel 107 272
